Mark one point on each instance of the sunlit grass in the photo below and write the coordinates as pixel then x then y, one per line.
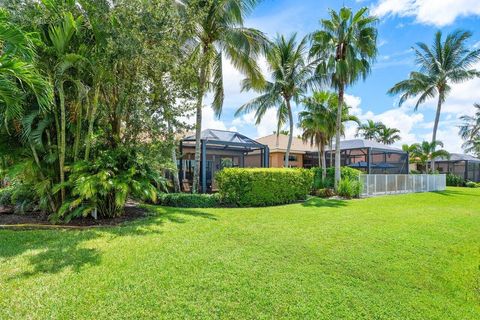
pixel 406 257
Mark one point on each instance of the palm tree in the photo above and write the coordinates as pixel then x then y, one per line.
pixel 443 63
pixel 344 49
pixel 470 131
pixel 18 73
pixel 220 32
pixel 290 74
pixel 318 122
pixel 388 135
pixel 410 149
pixel 369 130
pixel 427 151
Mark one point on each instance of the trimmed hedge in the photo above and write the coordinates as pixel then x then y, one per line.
pixel 188 200
pixel 455 181
pixel 255 187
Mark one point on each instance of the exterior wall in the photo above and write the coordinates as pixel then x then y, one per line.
pixel 253 161
pixel 277 160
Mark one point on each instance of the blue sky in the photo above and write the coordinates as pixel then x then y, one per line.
pixel 402 24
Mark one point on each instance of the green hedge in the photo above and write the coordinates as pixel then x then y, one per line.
pixel 254 187
pixel 187 200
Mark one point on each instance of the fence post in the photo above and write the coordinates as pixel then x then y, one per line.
pixel 428 183
pixel 386 184
pixel 396 184
pixel 368 182
pixel 375 185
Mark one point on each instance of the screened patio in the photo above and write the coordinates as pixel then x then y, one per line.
pixel 462 165
pixel 219 149
pixel 370 157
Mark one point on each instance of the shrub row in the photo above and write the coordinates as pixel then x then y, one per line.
pixel 188 200
pixel 252 187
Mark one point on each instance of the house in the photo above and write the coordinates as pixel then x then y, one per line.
pixel 365 155
pixel 463 165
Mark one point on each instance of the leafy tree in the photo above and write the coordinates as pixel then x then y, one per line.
pixel 445 62
pixel 290 74
pixel 370 130
pixel 388 135
pixel 344 48
pixel 427 151
pixel 220 32
pixel 470 131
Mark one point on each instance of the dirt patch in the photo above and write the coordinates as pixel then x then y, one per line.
pixel 32 220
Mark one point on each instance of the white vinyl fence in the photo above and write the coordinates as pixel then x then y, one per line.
pixel 378 184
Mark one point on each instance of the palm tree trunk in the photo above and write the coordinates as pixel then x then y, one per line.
pixel 435 127
pixel 176 180
pixel 290 134
pixel 323 161
pixel 93 111
pixel 198 128
pixel 331 154
pixel 338 129
pixel 78 132
pixel 62 147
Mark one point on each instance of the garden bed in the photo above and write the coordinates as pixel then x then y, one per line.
pixel 8 219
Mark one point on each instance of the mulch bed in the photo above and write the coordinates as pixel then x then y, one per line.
pixel 38 220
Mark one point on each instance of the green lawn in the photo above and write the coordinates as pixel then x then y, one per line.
pixel 406 257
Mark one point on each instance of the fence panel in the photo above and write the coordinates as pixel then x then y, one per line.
pixel 378 184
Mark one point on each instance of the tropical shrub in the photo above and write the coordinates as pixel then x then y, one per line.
pixel 102 186
pixel 471 184
pixel 349 188
pixel 263 186
pixel 346 173
pixel 455 181
pixel 188 200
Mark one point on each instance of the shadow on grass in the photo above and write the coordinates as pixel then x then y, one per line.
pixel 51 251
pixel 457 191
pixel 327 203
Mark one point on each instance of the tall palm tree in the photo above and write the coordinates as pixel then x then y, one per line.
pixel 345 47
pixel 388 135
pixel 318 122
pixel 290 74
pixel 445 62
pixel 220 32
pixel 369 130
pixel 470 131
pixel 427 151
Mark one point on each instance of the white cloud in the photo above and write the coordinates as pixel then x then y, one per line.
pixel 432 12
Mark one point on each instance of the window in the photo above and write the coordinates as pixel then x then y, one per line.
pixel 291 157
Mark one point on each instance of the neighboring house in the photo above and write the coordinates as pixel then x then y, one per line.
pixel 368 156
pixel 463 165
pixel 278 147
pixel 220 149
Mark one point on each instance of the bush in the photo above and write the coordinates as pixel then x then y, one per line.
pixel 6 196
pixel 188 200
pixel 324 193
pixel 471 184
pixel 263 186
pixel 345 172
pixel 349 188
pixel 454 180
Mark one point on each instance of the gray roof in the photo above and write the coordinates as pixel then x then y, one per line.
pixel 223 136
pixel 458 157
pixel 361 143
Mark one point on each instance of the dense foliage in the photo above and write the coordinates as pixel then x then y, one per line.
pixel 263 187
pixel 97 92
pixel 188 200
pixel 329 181
pixel 454 180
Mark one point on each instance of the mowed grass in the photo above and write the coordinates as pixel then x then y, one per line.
pixel 393 257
